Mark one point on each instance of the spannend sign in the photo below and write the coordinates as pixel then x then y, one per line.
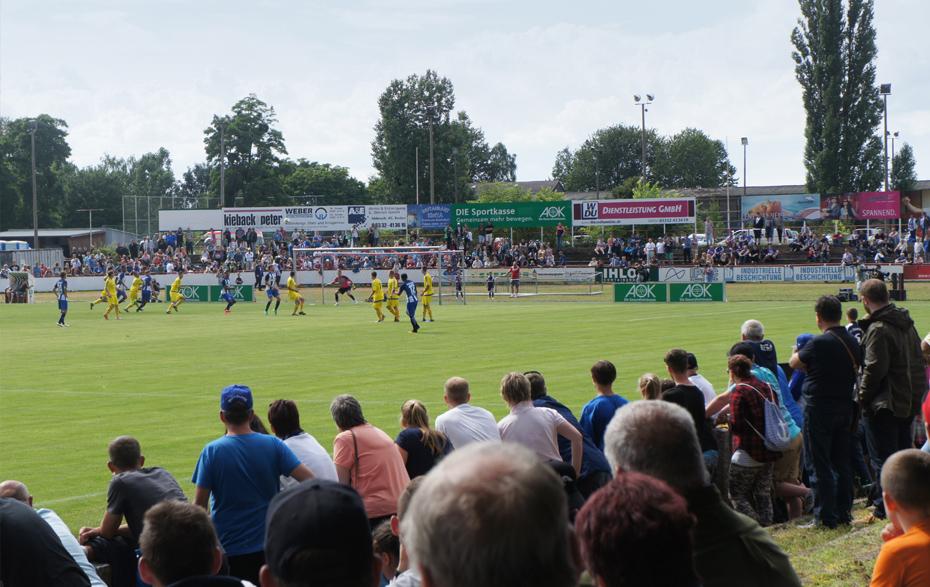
pixel 624 212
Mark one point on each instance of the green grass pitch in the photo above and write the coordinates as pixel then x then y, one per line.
pixel 66 392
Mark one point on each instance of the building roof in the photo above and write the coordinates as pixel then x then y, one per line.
pixel 24 233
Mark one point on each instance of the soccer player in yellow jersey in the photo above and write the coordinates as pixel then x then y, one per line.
pixel 377 295
pixel 393 295
pixel 109 289
pixel 177 298
pixel 134 290
pixel 427 295
pixel 293 295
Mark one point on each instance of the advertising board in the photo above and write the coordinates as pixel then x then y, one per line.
pixel 513 214
pixel 627 212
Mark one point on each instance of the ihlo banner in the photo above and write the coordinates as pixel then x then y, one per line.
pixel 627 212
pixel 513 214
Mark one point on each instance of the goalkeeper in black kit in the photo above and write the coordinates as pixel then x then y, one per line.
pixel 345 286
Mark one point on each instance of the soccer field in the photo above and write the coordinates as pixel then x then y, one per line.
pixel 66 392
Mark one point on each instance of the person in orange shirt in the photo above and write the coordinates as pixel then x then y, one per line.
pixel 905 557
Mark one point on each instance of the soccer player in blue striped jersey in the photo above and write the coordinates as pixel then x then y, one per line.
pixel 227 292
pixel 61 289
pixel 410 289
pixel 146 290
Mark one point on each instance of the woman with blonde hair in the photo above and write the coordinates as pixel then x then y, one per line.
pixel 649 387
pixel 420 446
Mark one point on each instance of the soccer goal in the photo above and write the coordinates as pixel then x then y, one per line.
pixel 481 284
pixel 318 270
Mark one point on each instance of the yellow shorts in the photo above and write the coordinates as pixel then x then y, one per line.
pixel 427 299
pixel 175 296
pixel 133 294
pixel 378 304
pixel 112 301
pixel 293 295
pixel 392 303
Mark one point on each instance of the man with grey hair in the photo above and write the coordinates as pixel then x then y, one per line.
pixel 491 515
pixel 40 559
pixel 658 438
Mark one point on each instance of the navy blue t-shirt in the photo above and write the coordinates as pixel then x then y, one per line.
pixel 592 459
pixel 831 375
pixel 420 459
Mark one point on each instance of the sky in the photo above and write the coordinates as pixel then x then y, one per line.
pixel 132 76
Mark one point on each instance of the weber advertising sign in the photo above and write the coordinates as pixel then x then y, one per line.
pixel 513 214
pixel 626 212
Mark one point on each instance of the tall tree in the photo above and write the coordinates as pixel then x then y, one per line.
pixel 834 63
pixel 403 130
pixel 52 152
pixel 253 155
pixel 903 170
pixel 334 183
pixel 194 187
pixel 691 159
pixel 101 187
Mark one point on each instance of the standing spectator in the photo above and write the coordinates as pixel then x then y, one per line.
pixel 465 423
pixel 595 470
pixel 367 459
pixel 894 380
pixel 709 231
pixel 688 396
pixel 831 362
pixel 284 419
pixel 686 249
pixel 241 471
pixel 535 428
pixel 751 464
pixel 597 413
pixel 637 531
pixel 491 516
pixel 699 381
pixel 559 235
pixel 420 446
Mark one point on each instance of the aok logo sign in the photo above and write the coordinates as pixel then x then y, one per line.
pixel 697 292
pixel 553 212
pixel 191 293
pixel 641 291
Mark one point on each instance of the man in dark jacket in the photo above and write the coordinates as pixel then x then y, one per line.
pixel 894 379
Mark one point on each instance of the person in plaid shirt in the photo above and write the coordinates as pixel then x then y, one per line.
pixel 752 463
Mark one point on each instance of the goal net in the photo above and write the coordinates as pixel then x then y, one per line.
pixel 539 284
pixel 318 268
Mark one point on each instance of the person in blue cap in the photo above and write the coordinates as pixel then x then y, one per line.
pixel 241 472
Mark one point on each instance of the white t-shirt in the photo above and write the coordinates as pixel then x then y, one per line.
pixel 312 454
pixel 466 423
pixel 534 428
pixel 705 386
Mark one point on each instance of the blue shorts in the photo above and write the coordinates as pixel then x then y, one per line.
pixel 63 305
pixel 228 297
pixel 411 308
pixel 146 296
pixel 272 293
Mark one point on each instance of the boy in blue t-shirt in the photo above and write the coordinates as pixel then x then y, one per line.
pixel 598 412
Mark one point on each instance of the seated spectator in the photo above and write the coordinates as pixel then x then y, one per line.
pixel 637 531
pixel 284 419
pixel 493 516
pixel 317 533
pixel 367 459
pixel 420 446
pixel 19 492
pixel 132 491
pixel 535 428
pixel 179 547
pixel 659 440
pixel 771 255
pixel 650 387
pixel 598 412
pixel 903 560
